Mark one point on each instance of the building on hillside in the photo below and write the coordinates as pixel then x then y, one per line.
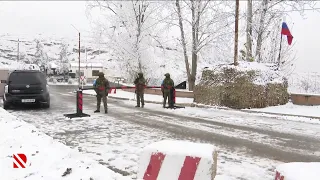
pixel 89 70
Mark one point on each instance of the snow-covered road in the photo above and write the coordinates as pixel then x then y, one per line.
pixel 250 146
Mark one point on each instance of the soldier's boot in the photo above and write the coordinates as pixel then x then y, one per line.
pixel 138 100
pixel 98 104
pixel 142 100
pixel 106 111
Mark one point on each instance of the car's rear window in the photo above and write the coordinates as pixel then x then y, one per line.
pixel 27 78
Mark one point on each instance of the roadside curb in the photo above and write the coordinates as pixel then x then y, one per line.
pixel 252 112
pixel 217 107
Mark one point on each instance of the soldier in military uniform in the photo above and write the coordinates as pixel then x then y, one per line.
pixel 166 87
pixel 101 86
pixel 140 84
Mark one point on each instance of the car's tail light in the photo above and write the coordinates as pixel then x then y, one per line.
pixel 6 89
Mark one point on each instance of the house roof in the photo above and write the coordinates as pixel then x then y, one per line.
pixel 83 64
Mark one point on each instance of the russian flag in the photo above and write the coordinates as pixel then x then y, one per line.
pixel 285 31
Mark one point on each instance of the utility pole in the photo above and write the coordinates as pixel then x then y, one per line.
pixel 236 34
pixel 249 30
pixel 18 55
pixel 79 62
pixel 79 73
pixel 85 49
pixel 99 43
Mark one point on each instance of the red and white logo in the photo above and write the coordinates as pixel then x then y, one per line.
pixel 19 161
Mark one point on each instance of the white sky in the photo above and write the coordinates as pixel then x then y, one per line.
pixel 26 18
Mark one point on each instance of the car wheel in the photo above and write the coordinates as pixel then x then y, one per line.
pixel 6 105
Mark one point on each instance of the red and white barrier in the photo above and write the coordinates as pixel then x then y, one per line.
pixel 112 90
pixel 298 171
pixel 178 160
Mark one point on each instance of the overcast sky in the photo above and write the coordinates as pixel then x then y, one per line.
pixel 26 18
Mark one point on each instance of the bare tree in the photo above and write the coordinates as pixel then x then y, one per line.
pixel 249 31
pixel 235 62
pixel 267 15
pixel 183 41
pixel 209 25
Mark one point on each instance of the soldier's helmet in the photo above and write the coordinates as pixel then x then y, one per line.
pixel 140 74
pixel 101 74
pixel 167 75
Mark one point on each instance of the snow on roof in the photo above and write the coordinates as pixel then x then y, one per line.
pixel 83 64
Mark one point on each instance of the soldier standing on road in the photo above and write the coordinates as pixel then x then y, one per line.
pixel 166 87
pixel 140 83
pixel 101 86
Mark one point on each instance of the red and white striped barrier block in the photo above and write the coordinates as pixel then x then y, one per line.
pixel 298 171
pixel 178 160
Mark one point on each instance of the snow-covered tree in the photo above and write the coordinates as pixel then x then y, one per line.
pixel 125 28
pixel 63 58
pixel 40 57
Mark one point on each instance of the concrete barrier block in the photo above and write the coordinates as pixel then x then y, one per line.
pixel 298 171
pixel 178 160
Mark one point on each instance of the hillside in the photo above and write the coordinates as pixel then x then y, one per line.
pixel 162 59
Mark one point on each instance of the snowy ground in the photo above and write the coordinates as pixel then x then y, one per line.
pixel 116 141
pixel 290 109
pixel 46 158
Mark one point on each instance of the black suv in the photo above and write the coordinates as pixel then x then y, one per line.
pixel 26 87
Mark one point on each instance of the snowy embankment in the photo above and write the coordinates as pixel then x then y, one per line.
pixel 291 109
pixel 46 158
pixel 147 97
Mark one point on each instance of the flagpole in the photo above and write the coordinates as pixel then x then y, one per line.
pixel 279 57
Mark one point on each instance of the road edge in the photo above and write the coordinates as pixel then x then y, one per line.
pixel 217 107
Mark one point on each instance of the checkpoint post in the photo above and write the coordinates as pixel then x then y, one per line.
pixel 79 107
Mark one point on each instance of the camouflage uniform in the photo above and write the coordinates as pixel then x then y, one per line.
pixel 140 83
pixel 101 87
pixel 166 87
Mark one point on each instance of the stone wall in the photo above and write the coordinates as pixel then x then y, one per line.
pixel 237 89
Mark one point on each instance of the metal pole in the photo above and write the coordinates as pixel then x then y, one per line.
pixel 79 62
pixel 279 57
